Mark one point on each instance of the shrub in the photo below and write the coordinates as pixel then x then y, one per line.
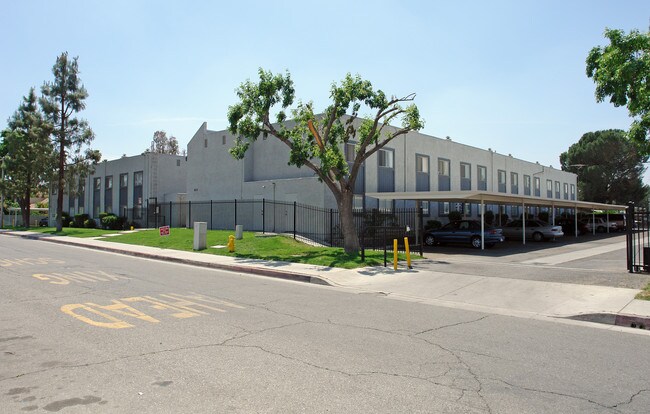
pixel 80 220
pixel 110 222
pixel 90 224
pixel 455 216
pixel 432 225
pixel 65 221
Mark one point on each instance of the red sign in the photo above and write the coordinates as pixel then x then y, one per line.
pixel 164 230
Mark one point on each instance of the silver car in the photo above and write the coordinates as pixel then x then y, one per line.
pixel 535 229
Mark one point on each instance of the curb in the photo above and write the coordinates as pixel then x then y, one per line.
pixel 617 319
pixel 298 277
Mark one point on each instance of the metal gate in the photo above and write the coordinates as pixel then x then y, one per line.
pixel 638 238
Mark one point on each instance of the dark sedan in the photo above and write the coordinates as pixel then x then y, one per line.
pixel 464 231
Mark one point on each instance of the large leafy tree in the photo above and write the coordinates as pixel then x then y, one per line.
pixel 61 100
pixel 609 167
pixel 29 154
pixel 317 141
pixel 621 71
pixel 161 144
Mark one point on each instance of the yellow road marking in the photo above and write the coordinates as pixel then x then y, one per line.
pixel 29 261
pixel 78 277
pixel 181 307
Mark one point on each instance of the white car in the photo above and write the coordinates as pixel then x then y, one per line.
pixel 600 225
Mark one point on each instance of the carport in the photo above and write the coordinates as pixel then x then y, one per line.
pixel 486 197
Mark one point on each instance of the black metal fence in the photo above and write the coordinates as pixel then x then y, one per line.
pixel 638 239
pixel 376 229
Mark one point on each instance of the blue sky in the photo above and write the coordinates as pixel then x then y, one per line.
pixel 506 75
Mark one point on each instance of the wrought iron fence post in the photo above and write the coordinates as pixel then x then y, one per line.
pixel 384 243
pixel 629 225
pixel 363 229
pixel 170 214
pixel 294 219
pixel 331 227
pixel 421 229
pixel 189 214
pixel 263 216
pixel 235 225
pixel 210 214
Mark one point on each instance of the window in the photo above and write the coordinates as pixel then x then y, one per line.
pixel 178 163
pixel 422 173
pixel 97 188
pixel 527 185
pixel 108 194
pixel 537 187
pixel 385 158
pixel 444 180
pixel 422 164
pixel 205 143
pixel 501 174
pixel 549 188
pixel 350 152
pixel 443 167
pixel 557 189
pixel 443 209
pixel 465 176
pixel 573 192
pixel 482 178
pixel 124 195
pixel 223 140
pixel 514 183
pixel 566 191
pixel 137 194
pixel 385 205
pixel 357 202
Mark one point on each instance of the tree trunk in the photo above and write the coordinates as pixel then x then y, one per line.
pixel 59 185
pixel 348 229
pixel 25 208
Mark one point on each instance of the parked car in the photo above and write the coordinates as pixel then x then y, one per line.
pixel 617 218
pixel 44 222
pixel 464 231
pixel 600 225
pixel 535 229
pixel 569 226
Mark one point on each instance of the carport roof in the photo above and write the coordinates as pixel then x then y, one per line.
pixel 488 197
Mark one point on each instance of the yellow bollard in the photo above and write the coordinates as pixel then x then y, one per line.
pixel 394 254
pixel 231 243
pixel 408 252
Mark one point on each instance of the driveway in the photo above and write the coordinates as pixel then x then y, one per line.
pixel 591 260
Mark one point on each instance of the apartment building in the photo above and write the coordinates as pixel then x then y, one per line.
pixel 412 163
pixel 123 186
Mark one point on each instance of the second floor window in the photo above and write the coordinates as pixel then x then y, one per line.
pixel 422 164
pixel 385 158
pixel 501 175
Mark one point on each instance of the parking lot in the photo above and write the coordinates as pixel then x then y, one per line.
pixel 588 259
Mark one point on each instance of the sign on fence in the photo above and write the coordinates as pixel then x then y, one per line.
pixel 164 230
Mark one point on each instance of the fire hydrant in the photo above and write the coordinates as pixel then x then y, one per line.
pixel 231 243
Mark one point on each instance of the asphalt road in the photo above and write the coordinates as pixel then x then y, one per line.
pixel 86 331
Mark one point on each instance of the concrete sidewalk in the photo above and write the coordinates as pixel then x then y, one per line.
pixel 508 296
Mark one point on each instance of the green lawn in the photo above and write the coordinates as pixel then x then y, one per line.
pixel 252 246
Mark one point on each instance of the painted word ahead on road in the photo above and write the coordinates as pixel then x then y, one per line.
pixel 124 312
